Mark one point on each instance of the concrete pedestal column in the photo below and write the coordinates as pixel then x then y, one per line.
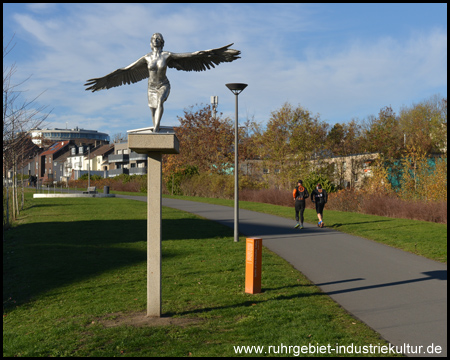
pixel 154 234
pixel 154 145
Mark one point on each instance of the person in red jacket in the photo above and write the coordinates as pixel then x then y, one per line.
pixel 320 197
pixel 300 194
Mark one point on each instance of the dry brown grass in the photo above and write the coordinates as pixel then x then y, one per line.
pixel 354 201
pixel 432 211
pixel 343 200
pixel 388 205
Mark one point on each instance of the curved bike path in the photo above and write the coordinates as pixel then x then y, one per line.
pixel 400 295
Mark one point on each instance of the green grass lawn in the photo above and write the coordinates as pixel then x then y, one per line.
pixel 420 237
pixel 73 264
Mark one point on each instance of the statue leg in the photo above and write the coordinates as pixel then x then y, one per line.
pixel 157 117
pixel 153 110
pixel 156 99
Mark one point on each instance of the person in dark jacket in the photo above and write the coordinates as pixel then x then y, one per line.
pixel 300 194
pixel 320 197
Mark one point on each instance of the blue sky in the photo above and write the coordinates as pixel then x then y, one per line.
pixel 341 61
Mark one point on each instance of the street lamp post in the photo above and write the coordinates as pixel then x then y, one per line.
pixel 236 89
pixel 89 167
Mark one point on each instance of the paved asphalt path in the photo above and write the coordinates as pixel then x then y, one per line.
pixel 400 295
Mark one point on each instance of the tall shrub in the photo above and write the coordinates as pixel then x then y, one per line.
pixel 313 179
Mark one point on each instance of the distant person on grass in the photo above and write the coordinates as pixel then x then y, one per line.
pixel 320 197
pixel 300 195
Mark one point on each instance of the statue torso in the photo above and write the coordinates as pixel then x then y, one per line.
pixel 157 66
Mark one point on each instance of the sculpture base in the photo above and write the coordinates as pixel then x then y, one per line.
pixel 154 145
pixel 150 130
pixel 144 143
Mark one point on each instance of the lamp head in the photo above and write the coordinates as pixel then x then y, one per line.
pixel 236 88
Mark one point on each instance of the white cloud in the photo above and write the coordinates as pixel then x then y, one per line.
pixel 362 75
pixel 352 78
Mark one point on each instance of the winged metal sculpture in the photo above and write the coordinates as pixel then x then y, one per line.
pixel 154 65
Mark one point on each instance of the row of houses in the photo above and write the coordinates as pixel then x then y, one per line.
pixel 67 160
pixel 80 151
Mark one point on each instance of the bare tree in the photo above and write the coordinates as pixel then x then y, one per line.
pixel 19 116
pixel 119 137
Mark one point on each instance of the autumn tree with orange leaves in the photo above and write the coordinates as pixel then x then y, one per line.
pixel 206 144
pixel 292 138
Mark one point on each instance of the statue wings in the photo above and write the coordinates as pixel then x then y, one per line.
pixel 137 71
pixel 202 60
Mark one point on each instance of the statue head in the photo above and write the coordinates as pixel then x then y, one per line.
pixel 157 36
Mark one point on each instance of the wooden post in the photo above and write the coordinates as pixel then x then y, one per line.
pixel 253 259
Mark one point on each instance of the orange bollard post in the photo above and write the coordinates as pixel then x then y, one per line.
pixel 253 266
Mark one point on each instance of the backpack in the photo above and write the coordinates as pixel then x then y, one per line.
pixel 299 193
pixel 320 196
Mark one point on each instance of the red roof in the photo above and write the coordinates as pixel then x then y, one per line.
pixel 55 147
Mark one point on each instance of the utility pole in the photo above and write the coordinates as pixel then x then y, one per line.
pixel 214 103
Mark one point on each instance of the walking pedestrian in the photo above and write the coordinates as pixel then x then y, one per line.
pixel 320 197
pixel 300 194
